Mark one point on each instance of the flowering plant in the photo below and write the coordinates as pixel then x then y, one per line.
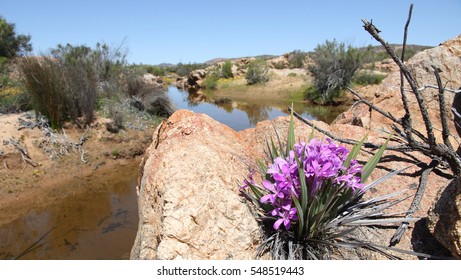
pixel 309 190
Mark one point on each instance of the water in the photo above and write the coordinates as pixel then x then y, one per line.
pixel 98 216
pixel 243 113
pixel 97 219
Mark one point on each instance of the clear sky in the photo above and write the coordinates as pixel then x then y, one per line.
pixel 196 31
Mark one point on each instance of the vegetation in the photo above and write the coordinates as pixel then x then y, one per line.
pixel 368 78
pixel 296 59
pixel 333 68
pixel 226 70
pixel 257 72
pixel 12 44
pixel 211 81
pixel 310 197
pixel 66 84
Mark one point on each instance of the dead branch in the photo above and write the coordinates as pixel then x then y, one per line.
pixel 415 203
pixel 22 150
pixel 443 113
pixel 370 28
pixel 406 120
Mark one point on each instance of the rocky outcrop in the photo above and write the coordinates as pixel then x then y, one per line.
pixel 444 220
pixel 189 203
pixel 444 215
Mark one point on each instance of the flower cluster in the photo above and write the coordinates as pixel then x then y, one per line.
pixel 323 167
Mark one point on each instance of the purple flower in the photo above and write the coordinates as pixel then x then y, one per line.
pixel 285 217
pixel 323 167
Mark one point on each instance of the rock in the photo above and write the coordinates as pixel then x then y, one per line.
pixel 152 80
pixel 189 202
pixel 444 219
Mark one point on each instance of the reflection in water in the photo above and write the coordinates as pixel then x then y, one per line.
pixel 240 114
pixel 99 222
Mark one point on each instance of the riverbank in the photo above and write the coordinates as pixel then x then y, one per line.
pixel 42 183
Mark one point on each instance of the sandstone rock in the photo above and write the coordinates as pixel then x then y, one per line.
pixel 444 219
pixel 189 203
pixel 152 80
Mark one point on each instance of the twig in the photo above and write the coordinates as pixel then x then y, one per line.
pixel 443 113
pixel 415 203
pixel 370 28
pixel 406 120
pixel 455 91
pixel 22 150
pixel 399 148
pixel 387 115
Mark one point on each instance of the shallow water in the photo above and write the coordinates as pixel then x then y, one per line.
pixel 243 113
pixel 98 216
pixel 97 220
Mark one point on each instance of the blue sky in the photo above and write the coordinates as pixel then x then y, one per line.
pixel 196 31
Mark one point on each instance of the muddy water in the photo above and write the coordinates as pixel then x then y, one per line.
pixel 97 219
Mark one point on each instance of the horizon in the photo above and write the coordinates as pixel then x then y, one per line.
pixel 172 33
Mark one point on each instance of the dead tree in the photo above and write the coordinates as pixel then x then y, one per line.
pixel 413 140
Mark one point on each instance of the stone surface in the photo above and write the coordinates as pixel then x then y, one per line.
pixel 189 205
pixel 444 220
pixel 189 202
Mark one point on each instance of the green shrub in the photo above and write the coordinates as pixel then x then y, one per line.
pixel 155 70
pixel 368 78
pixel 334 66
pixel 65 85
pixel 296 59
pixel 226 70
pixel 12 44
pixel 14 102
pixel 211 81
pixel 257 72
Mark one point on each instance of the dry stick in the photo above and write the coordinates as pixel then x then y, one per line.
pixel 370 28
pixel 388 115
pixel 406 120
pixel 399 148
pixel 455 91
pixel 443 114
pixel 415 203
pixel 22 150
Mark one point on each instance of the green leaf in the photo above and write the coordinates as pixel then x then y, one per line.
pixel 302 178
pixel 371 164
pixel 291 134
pixel 311 136
pixel 262 166
pixel 300 215
pixel 354 152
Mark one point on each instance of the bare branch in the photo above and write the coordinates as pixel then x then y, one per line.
pixel 22 150
pixel 406 120
pixel 415 203
pixel 455 91
pixel 443 113
pixel 387 115
pixel 370 28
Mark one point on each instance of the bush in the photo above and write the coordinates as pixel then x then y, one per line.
pixel 296 59
pixel 211 81
pixel 12 44
pixel 156 70
pixel 226 70
pixel 64 86
pixel 333 68
pixel 257 72
pixel 368 78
